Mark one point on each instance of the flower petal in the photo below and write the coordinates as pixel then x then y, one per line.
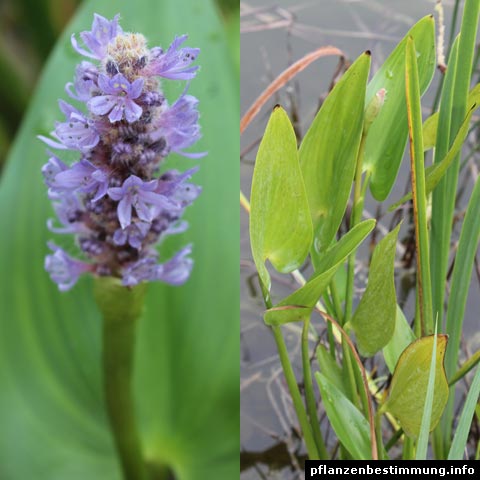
pixel 124 212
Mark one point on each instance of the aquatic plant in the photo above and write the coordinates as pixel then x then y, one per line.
pixel 298 203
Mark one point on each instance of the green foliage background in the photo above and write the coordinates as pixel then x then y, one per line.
pixel 53 423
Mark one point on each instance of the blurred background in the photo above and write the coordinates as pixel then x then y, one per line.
pixel 275 34
pixel 28 31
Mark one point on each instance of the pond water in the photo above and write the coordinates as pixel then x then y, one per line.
pixel 274 35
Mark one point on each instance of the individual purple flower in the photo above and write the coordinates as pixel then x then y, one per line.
pixel 177 270
pixel 77 133
pixel 132 235
pixel 174 272
pixel 70 212
pixel 64 269
pixel 173 184
pixel 174 63
pixel 97 40
pixel 84 177
pixel 86 77
pixel 118 100
pixel 140 195
pixel 51 169
pixel 178 125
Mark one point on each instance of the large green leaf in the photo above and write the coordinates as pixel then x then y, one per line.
pixel 329 151
pixel 300 303
pixel 374 318
pixel 388 134
pixel 280 225
pixel 53 422
pixel 410 381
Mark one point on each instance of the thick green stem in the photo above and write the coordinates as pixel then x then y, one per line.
pixel 295 393
pixel 310 395
pixel 121 308
pixel 408 449
pixel 336 302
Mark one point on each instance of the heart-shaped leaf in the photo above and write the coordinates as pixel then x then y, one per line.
pixel 329 151
pixel 408 389
pixel 280 225
pixel 374 318
pixel 53 421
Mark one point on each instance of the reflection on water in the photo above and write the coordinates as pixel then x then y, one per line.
pixel 274 36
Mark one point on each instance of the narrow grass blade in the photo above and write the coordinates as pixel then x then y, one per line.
pixel 461 86
pixel 462 271
pixel 463 428
pixel 436 172
pixel 422 443
pixel 414 115
pixel 465 368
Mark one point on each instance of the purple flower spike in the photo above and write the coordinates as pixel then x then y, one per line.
pixel 135 193
pixel 97 40
pixel 112 197
pixel 64 269
pixel 174 64
pixel 118 100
